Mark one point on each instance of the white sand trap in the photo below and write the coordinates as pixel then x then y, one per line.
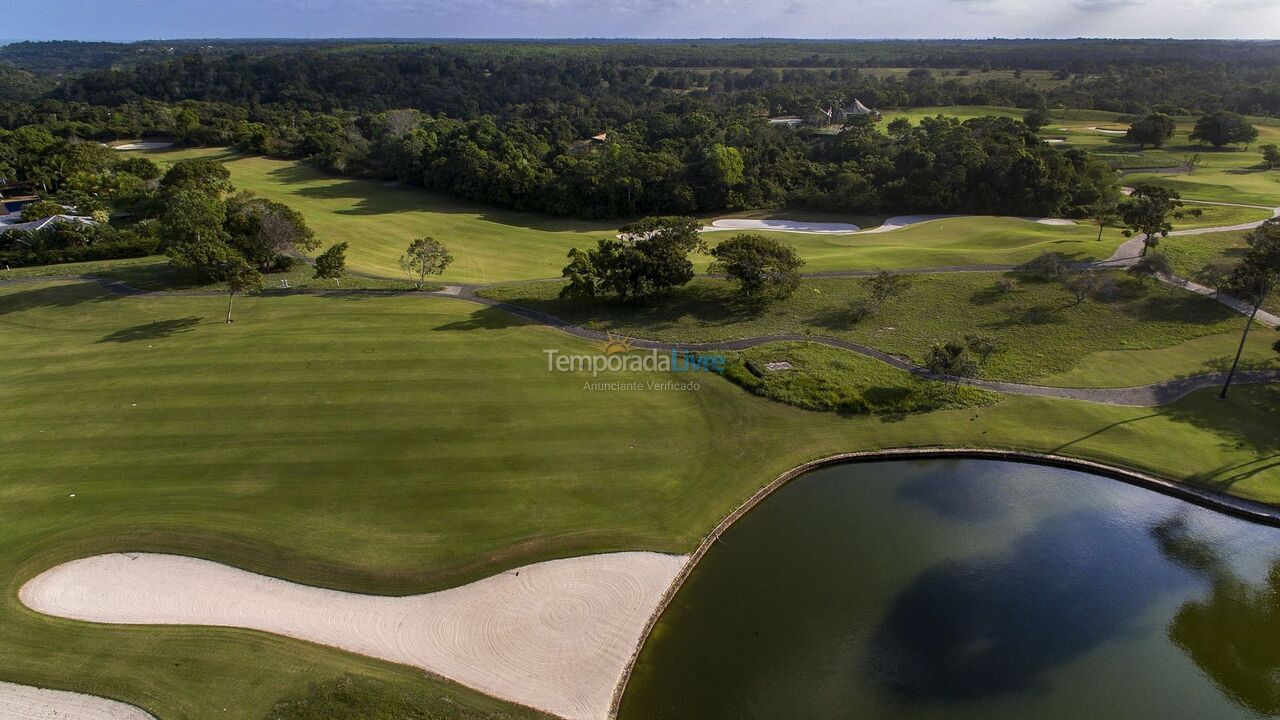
pixel 144 146
pixel 1055 141
pixel 791 226
pixel 900 221
pixel 1105 131
pixel 23 702
pixel 554 635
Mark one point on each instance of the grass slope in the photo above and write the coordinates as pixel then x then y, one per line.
pixel 378 221
pixel 405 444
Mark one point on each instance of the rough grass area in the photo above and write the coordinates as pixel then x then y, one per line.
pixel 405 444
pixel 1040 329
pixel 824 378
pixel 1191 254
pixel 368 699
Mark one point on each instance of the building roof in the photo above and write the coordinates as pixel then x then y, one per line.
pixel 43 223
pixel 857 108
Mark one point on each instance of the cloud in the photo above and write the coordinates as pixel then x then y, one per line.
pixel 1103 6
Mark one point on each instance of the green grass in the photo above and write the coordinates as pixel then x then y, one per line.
pixel 1041 331
pixel 404 444
pixel 379 221
pixel 950 241
pixel 155 273
pixel 830 379
pixel 492 245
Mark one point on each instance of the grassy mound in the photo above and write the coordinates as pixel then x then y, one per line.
pixel 825 378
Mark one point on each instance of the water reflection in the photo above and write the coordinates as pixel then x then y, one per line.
pixel 992 625
pixel 1233 635
pixel 955 495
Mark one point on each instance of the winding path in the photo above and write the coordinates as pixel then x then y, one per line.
pixel 1139 396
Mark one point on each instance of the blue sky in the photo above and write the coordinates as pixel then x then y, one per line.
pixel 153 19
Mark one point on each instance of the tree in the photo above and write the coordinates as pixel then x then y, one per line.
pixel 1149 211
pixel 240 277
pixel 884 286
pixel 425 256
pixel 1153 130
pixel 1036 118
pixel 40 209
pixel 1223 128
pixel 267 233
pixel 950 359
pixel 1103 211
pixel 1253 278
pixel 983 346
pixel 1151 265
pixel 761 266
pixel 191 227
pixel 201 175
pixel 1080 283
pixel 648 256
pixel 1271 156
pixel 1215 275
pixel 332 264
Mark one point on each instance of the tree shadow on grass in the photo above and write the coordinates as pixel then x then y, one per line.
pixel 1183 307
pixel 483 319
pixel 52 296
pixel 154 330
pixel 703 303
pixel 1249 418
pixel 1025 316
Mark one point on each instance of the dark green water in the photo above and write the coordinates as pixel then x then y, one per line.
pixel 971 589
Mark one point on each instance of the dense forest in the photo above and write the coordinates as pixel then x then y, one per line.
pixel 678 127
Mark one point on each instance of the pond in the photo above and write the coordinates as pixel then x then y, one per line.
pixel 968 588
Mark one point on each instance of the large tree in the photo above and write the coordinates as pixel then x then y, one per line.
pixel 1153 130
pixel 1150 212
pixel 762 266
pixel 268 234
pixel 1224 128
pixel 648 257
pixel 200 175
pixel 1253 279
pixel 192 228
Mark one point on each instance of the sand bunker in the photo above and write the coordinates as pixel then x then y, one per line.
pixel 23 702
pixel 900 221
pixel 144 146
pixel 555 635
pixel 792 226
pixel 1106 131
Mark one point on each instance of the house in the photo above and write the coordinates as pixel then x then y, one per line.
pixel 581 146
pixel 41 224
pixel 787 120
pixel 854 109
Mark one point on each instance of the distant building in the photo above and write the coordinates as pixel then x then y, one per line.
pixel 787 120
pixel 581 146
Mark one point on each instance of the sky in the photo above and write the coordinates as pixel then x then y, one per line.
pixel 171 19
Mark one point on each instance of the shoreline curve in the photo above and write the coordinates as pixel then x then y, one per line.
pixel 1241 508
